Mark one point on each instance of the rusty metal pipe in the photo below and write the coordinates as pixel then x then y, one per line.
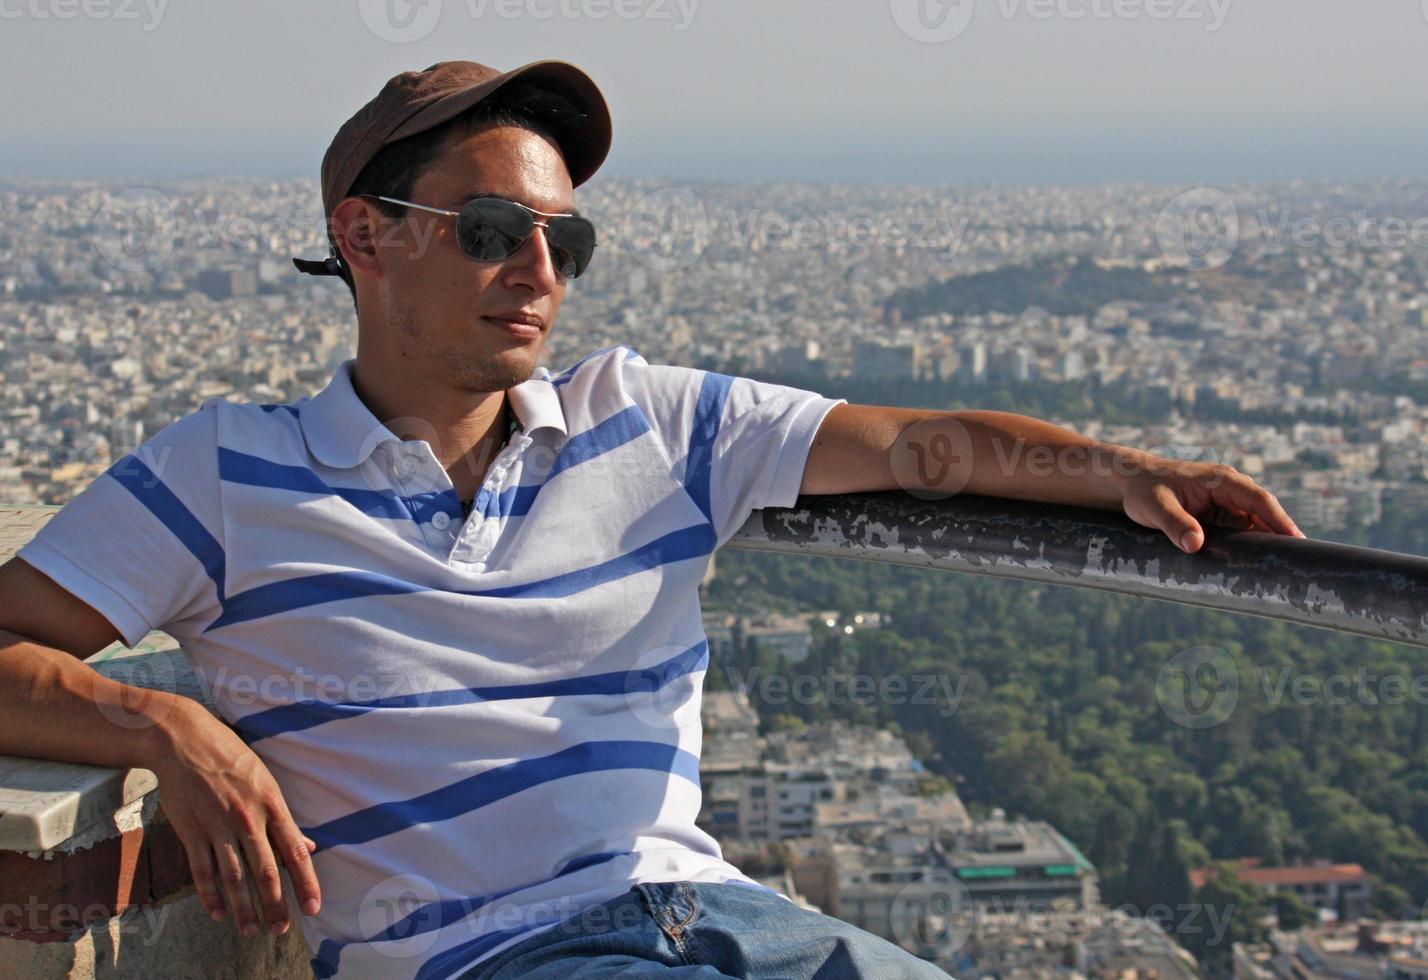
pixel 1381 594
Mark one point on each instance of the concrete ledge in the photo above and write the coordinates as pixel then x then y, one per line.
pixel 93 880
pixel 66 806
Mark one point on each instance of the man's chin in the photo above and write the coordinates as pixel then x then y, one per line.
pixel 496 370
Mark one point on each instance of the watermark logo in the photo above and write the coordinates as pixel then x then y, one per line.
pixel 1364 688
pixel 1199 230
pixel 134 231
pixel 1211 13
pixel 932 21
pixel 679 12
pixel 933 918
pixel 667 230
pixel 1283 229
pixel 939 21
pixel 671 229
pixel 932 459
pixel 144 676
pixel 775 689
pixel 1199 687
pixel 150 11
pixel 404 21
pixel 145 923
pixel 660 684
pixel 400 21
pixel 404 913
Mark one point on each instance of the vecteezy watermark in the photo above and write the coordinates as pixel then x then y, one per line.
pixel 410 447
pixel 680 13
pixel 671 229
pixel 246 689
pixel 144 922
pixel 145 699
pixel 933 916
pixel 1199 230
pixel 1211 13
pixel 939 690
pixel 404 915
pixel 403 21
pixel 996 913
pixel 933 459
pixel 401 915
pixel 668 229
pixel 932 21
pixel 400 21
pixel 1199 687
pixel 1355 230
pixel 136 229
pixel 151 12
pixel 1362 687
pixel 937 21
pixel 661 689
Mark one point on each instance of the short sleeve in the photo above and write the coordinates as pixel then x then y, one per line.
pixel 141 544
pixel 738 444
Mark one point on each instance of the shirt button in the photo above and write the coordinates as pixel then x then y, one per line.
pixel 440 520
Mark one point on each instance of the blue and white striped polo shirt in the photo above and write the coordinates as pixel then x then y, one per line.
pixel 489 723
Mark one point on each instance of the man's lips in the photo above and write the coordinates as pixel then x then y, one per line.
pixel 529 319
pixel 520 325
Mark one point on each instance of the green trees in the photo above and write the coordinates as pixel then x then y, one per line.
pixel 1056 717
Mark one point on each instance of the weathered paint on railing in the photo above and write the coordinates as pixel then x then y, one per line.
pixel 1381 594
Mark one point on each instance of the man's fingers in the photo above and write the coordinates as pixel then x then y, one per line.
pixel 1247 495
pixel 267 879
pixel 205 877
pixel 1172 518
pixel 295 850
pixel 1259 524
pixel 234 879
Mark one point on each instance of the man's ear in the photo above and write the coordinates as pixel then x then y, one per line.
pixel 355 231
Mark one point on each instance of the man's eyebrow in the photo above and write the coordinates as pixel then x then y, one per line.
pixel 504 197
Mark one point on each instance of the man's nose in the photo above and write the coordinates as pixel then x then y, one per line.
pixel 533 265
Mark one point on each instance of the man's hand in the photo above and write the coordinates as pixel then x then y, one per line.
pixel 234 824
pixel 1176 496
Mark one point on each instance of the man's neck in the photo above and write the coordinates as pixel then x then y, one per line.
pixel 465 431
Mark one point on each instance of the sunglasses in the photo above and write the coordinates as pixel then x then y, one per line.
pixel 490 229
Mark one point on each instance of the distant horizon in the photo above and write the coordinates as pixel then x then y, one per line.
pixel 1009 92
pixel 965 155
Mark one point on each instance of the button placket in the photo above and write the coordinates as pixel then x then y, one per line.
pixel 405 467
pixel 478 535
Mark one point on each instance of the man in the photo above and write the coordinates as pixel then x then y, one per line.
pixel 493 572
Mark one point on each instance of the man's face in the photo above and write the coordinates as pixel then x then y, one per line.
pixel 437 299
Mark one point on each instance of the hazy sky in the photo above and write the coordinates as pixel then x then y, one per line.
pixel 974 91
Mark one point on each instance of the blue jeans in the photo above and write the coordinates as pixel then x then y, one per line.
pixel 694 930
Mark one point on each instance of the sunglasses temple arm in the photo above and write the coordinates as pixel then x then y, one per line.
pixel 419 207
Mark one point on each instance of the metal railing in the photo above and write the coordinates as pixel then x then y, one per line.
pixel 1380 594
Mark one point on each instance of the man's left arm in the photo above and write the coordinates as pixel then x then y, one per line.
pixel 1001 454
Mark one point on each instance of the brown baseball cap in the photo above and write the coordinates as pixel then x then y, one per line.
pixel 416 101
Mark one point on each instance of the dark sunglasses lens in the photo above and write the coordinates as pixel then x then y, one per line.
pixel 492 230
pixel 572 243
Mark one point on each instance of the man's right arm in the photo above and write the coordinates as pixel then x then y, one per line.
pixel 223 803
